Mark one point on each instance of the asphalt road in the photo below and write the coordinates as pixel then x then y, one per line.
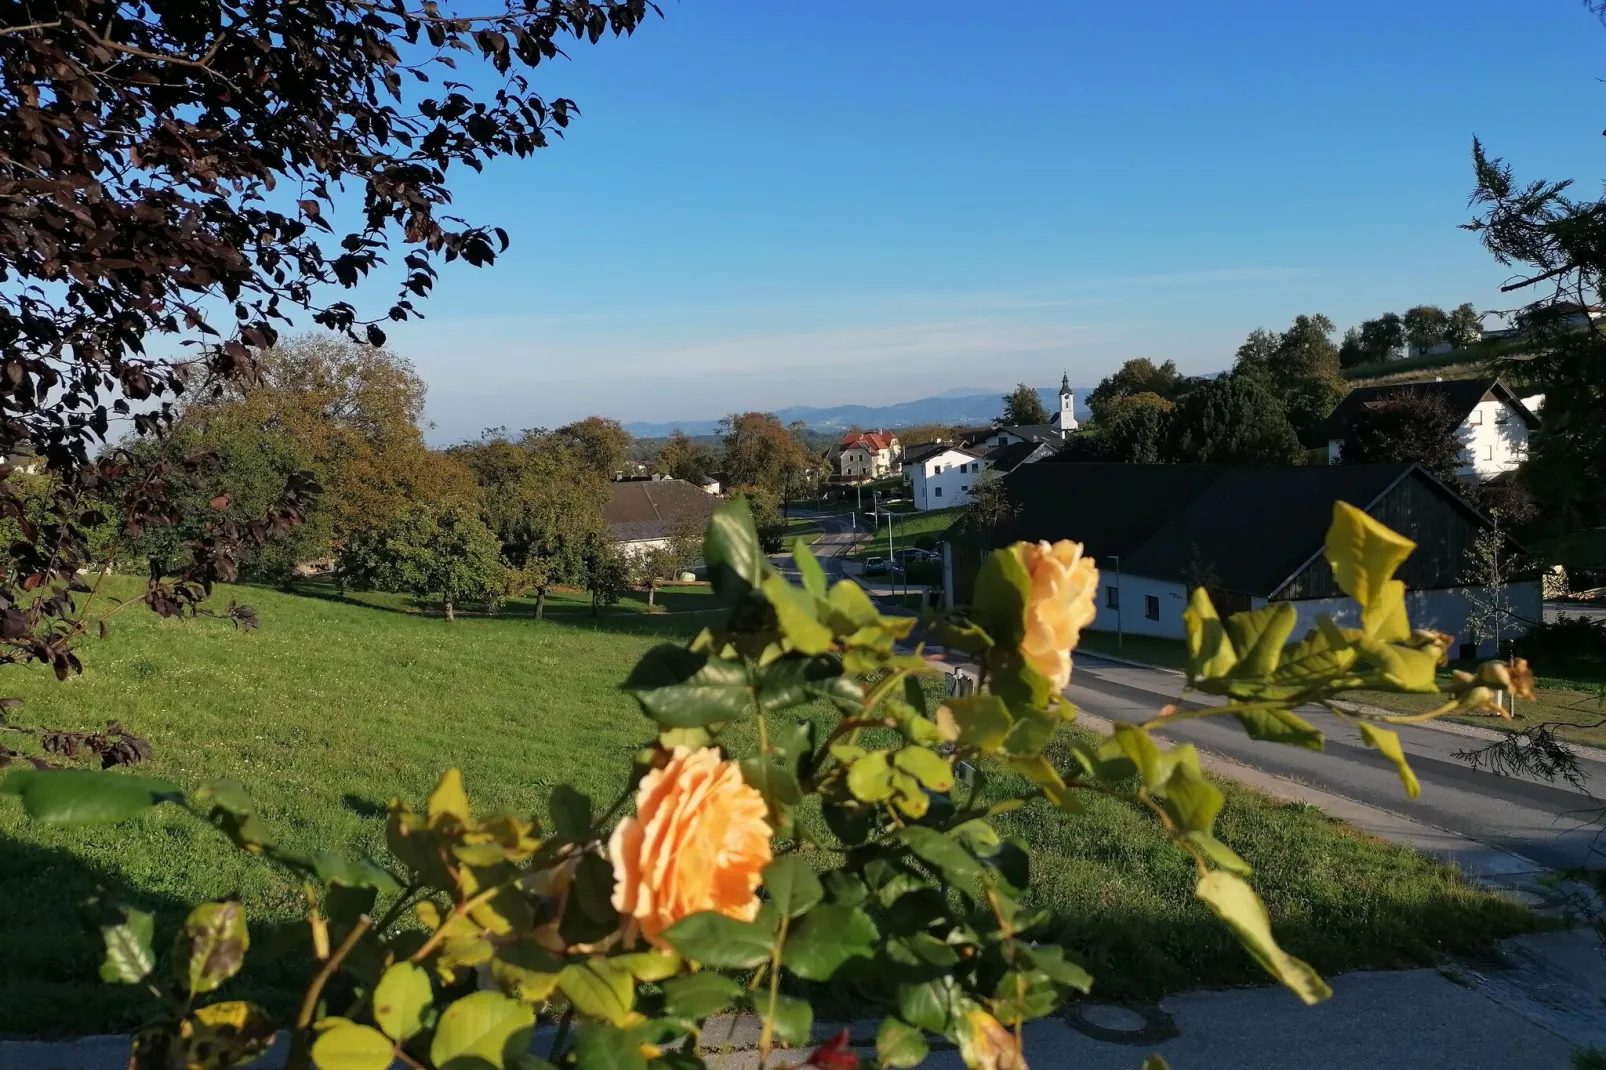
pixel 1554 825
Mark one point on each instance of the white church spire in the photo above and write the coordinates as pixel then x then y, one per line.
pixel 1067 421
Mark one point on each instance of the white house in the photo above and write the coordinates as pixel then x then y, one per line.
pixel 1249 535
pixel 940 474
pixel 867 455
pixel 1492 423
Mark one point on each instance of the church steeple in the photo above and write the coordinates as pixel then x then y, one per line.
pixel 1067 421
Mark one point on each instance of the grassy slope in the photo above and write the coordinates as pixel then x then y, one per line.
pixel 333 707
pixel 905 529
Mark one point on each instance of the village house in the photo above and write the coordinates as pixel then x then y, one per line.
pixel 866 455
pixel 1247 534
pixel 940 474
pixel 1492 423
pixel 646 514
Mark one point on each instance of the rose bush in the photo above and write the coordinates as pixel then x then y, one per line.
pixel 851 852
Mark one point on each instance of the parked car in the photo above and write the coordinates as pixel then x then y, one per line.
pixel 875 566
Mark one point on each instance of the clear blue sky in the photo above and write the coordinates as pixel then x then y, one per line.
pixel 772 202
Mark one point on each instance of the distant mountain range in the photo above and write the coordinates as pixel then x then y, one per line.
pixel 962 405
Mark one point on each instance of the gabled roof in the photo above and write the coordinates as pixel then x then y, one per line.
pixel 1050 433
pixel 1460 396
pixel 1008 458
pixel 655 508
pixel 871 440
pixel 1253 527
pixel 927 450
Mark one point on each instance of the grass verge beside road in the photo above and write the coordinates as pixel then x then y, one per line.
pixel 906 528
pixel 336 705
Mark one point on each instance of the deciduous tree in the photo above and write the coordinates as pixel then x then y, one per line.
pixel 1382 338
pixel 761 452
pixel 1136 429
pixel 1235 419
pixel 1023 407
pixel 600 444
pixel 1407 425
pixel 1137 376
pixel 1425 326
pixel 681 457
pixel 443 550
pixel 1463 326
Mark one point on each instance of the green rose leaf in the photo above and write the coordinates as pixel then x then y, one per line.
pixel 1279 726
pixel 848 608
pixel 792 885
pixel 598 1046
pixel 699 995
pixel 793 1019
pixel 1235 903
pixel 1388 741
pixel 899 1044
pixel 778 786
pixel 928 1005
pixel 1002 588
pixel 808 566
pixel 211 946
pixel 798 614
pixel 715 940
pixel 1051 961
pixel 526 970
pixel 793 681
pixel 400 1000
pixel 127 937
pixel 598 989
pixel 482 1025
pixel 353 1047
pixel 1191 800
pixel 59 796
pixel 681 689
pixel 825 938
pixel 735 561
pixel 589 914
pixel 956 864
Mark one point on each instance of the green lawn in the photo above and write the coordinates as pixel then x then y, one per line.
pixel 1149 649
pixel 335 706
pixel 906 528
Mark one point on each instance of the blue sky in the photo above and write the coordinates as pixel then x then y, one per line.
pixel 772 202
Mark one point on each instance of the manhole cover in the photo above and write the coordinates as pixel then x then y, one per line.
pixel 1121 1023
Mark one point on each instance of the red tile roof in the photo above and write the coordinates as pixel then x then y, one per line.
pixel 874 440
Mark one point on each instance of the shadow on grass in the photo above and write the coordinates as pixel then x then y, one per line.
pixel 50 956
pixel 682 614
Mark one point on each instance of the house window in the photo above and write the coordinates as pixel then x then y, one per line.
pixel 1488 453
pixel 939 492
pixel 1476 418
pixel 1112 598
pixel 1151 606
pixel 963 487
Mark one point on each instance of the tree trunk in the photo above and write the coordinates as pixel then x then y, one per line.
pixel 450 614
pixel 540 602
pixel 652 589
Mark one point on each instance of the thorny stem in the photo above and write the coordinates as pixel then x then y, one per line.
pixel 397 908
pixel 309 1002
pixel 461 910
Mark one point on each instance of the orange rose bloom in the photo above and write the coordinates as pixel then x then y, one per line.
pixel 699 841
pixel 1059 606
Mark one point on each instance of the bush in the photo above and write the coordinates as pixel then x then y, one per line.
pixel 836 851
pixel 925 573
pixel 443 550
pixel 1573 647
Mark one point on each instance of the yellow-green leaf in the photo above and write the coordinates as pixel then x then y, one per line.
pixel 1235 903
pixel 1364 555
pixel 400 1000
pixel 1258 637
pixel 926 766
pixel 484 1025
pixel 652 966
pixel 1387 741
pixel 448 799
pixel 980 721
pixel 870 778
pixel 850 608
pixel 353 1047
pixel 211 946
pixel 798 614
pixel 598 989
pixel 1210 652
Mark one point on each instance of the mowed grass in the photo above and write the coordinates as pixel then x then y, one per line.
pixel 906 528
pixel 335 706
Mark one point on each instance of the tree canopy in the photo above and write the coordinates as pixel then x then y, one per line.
pixel 761 452
pixel 1137 376
pixel 1301 363
pixel 1408 425
pixel 1234 419
pixel 1023 407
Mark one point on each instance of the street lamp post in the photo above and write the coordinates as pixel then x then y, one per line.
pixel 1119 609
